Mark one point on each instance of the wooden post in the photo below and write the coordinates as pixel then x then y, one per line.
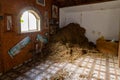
pixel 119 44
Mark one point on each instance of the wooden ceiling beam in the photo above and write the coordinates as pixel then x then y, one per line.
pixel 66 3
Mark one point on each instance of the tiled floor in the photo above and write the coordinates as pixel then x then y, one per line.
pixel 87 67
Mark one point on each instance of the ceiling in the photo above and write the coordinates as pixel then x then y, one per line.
pixel 66 3
pixel 90 7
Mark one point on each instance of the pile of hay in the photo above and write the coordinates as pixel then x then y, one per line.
pixel 109 48
pixel 72 33
pixel 68 44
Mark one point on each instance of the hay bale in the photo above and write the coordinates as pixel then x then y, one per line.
pixel 107 47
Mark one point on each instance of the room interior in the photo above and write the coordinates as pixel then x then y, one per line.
pixel 60 40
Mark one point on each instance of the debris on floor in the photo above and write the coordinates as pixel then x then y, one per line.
pixel 107 47
pixel 60 75
pixel 61 52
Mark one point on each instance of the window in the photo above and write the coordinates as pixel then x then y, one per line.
pixel 30 21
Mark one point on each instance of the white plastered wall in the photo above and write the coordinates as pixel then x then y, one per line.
pixel 101 23
pixel 98 22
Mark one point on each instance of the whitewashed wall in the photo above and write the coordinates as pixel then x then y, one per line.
pixel 62 18
pixel 104 22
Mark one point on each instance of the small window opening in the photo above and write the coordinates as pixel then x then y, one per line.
pixel 30 21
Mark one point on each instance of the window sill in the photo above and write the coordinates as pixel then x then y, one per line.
pixel 29 32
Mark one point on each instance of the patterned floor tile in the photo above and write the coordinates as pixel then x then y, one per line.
pixel 84 68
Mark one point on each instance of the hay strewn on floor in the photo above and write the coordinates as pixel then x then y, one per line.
pixel 62 52
pixel 60 75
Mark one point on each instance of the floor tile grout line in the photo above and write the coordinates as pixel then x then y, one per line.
pixel 83 58
pixel 82 62
pixel 92 69
pixel 43 70
pixel 100 66
pixel 107 68
pixel 115 69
